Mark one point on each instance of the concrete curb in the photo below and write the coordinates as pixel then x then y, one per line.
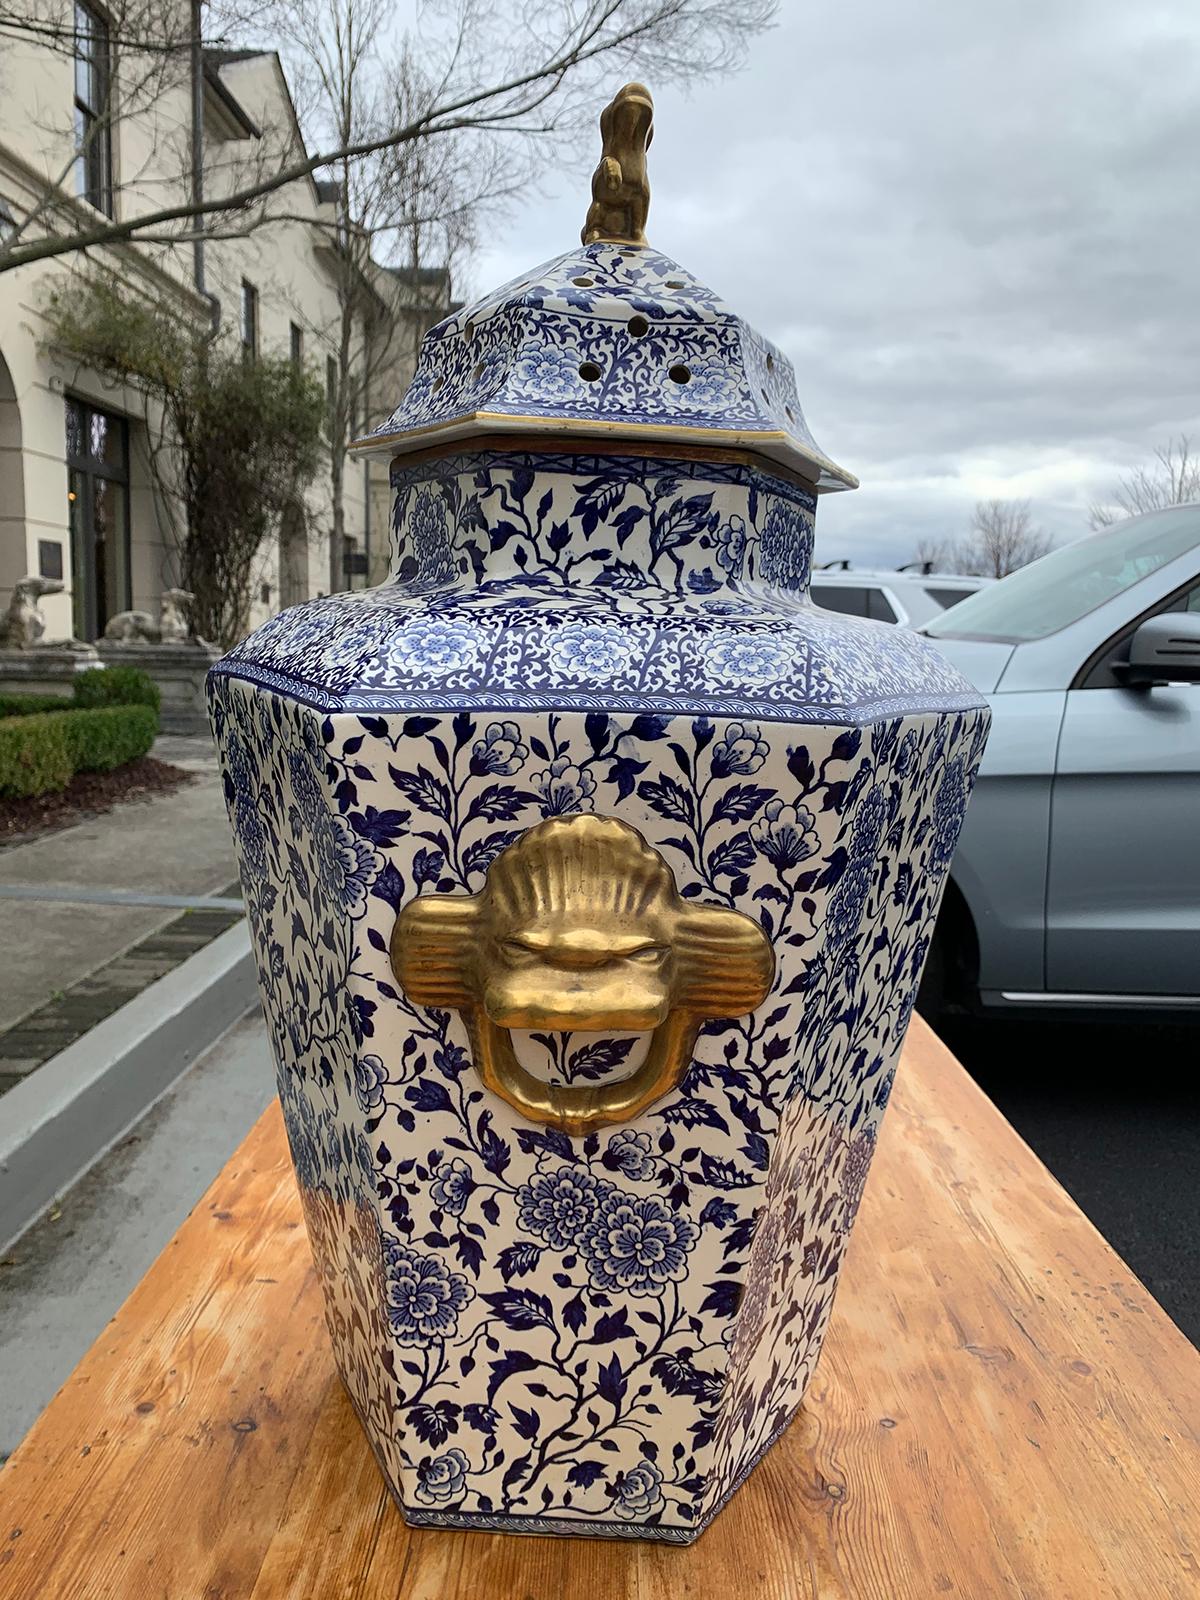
pixel 75 1106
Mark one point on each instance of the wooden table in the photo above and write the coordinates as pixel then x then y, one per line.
pixel 1001 1409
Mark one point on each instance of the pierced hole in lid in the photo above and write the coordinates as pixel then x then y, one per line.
pixel 674 283
pixel 638 326
pixel 589 371
pixel 477 372
pixel 791 415
pixel 765 396
pixel 583 283
pixel 770 362
pixel 436 385
pixel 679 373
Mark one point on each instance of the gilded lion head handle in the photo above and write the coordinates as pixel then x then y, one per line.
pixel 620 187
pixel 580 926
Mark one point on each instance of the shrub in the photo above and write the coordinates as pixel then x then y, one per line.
pixel 43 752
pixel 28 705
pixel 116 686
pixel 109 736
pixel 34 757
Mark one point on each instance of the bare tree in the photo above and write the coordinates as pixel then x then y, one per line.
pixel 1003 537
pixel 1173 479
pixel 500 67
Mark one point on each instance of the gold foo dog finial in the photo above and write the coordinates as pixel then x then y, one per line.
pixel 620 188
pixel 580 925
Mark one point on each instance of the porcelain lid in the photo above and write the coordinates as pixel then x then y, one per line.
pixel 612 341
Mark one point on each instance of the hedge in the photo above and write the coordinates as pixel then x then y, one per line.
pixel 99 686
pixel 27 705
pixel 116 686
pixel 42 752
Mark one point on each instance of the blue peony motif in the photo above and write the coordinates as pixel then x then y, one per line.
pixel 428 530
pixel 906 757
pixel 369 1079
pixel 558 1205
pixel 867 832
pixel 591 653
pixel 786 835
pixel 424 1296
pixel 252 838
pixel 742 750
pixel 500 751
pixel 631 1153
pixel 949 804
pixel 306 787
pixel 547 372
pixel 750 660
pixel 849 902
pixel 452 1186
pixel 564 787
pixel 784 546
pixel 639 1491
pixel 731 546
pixel 425 648
pixel 443 1479
pixel 348 865
pixel 855 1167
pixel 634 1245
pixel 241 767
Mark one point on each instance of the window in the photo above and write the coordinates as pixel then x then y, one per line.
pixel 331 386
pixel 93 113
pixel 98 504
pixel 947 597
pixel 1073 580
pixel 854 601
pixel 297 335
pixel 249 318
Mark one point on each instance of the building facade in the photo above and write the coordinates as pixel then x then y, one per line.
pixel 79 497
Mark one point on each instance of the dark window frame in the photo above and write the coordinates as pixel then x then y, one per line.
pixel 296 339
pixel 85 468
pixel 94 76
pixel 250 319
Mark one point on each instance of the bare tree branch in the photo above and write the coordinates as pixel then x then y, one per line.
pixel 1172 480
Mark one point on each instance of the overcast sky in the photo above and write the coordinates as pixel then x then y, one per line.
pixel 974 229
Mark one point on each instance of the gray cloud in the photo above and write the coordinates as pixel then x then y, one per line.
pixel 973 229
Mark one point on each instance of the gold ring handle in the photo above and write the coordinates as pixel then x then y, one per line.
pixel 580 927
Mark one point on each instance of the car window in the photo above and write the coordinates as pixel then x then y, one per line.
pixel 1068 583
pixel 1097 672
pixel 841 597
pixel 855 600
pixel 947 597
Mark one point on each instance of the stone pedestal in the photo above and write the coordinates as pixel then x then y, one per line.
pixel 48 671
pixel 179 671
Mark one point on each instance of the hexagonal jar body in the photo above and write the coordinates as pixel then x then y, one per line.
pixel 601 1332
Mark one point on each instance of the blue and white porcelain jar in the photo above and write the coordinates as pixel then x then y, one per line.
pixel 591 870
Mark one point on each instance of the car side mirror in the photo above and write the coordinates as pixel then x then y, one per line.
pixel 1164 649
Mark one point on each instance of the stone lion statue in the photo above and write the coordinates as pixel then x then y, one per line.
pixel 23 626
pixel 139 627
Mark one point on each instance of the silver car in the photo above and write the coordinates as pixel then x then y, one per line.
pixel 904 597
pixel 1077 880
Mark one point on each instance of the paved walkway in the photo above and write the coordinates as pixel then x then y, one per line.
pixel 62 1281
pixel 96 912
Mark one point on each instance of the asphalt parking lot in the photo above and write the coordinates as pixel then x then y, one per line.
pixel 1113 1109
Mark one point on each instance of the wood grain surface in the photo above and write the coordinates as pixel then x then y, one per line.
pixel 1001 1410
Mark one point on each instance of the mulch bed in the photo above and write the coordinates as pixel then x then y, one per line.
pixel 87 794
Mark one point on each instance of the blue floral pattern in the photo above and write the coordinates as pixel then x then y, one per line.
pixel 596 1334
pixel 694 1251
pixel 594 583
pixel 601 334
